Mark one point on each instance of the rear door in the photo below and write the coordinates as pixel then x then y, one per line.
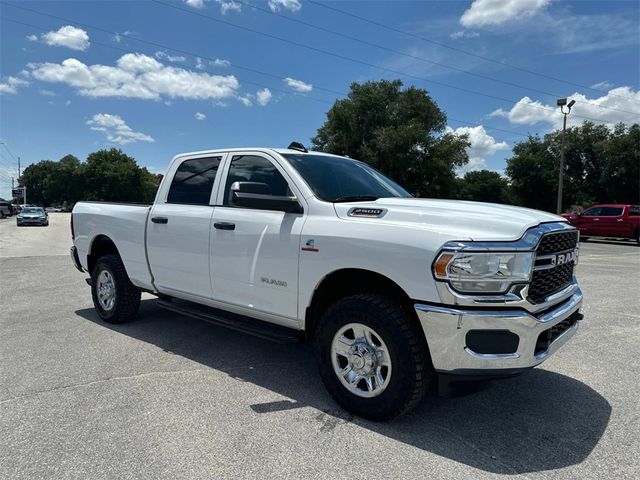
pixel 179 226
pixel 611 222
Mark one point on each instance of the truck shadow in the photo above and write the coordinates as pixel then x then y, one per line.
pixel 538 421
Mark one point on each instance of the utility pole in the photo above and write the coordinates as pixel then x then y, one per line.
pixel 20 173
pixel 562 103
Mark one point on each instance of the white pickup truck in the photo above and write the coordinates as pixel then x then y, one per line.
pixel 292 245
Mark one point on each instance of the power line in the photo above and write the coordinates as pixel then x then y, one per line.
pixel 416 57
pixel 361 62
pixel 460 50
pixel 185 52
pixel 9 151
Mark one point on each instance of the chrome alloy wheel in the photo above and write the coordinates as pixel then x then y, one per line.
pixel 106 290
pixel 361 360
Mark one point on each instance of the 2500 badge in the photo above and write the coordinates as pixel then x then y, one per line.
pixel 273 281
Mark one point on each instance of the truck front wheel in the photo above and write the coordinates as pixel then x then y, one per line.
pixel 372 356
pixel 115 298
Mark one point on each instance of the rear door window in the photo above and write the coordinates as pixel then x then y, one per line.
pixel 634 210
pixel 611 211
pixel 193 181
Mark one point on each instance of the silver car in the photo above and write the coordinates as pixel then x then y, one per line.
pixel 32 216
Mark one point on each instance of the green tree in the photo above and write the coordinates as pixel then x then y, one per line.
pixel 483 186
pixel 602 165
pixel 397 131
pixel 111 175
pixel 108 175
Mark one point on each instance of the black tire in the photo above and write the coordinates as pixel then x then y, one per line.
pixel 411 372
pixel 127 295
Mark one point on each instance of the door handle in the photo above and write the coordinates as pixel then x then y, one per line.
pixel 159 219
pixel 224 226
pixel 596 219
pixel 620 220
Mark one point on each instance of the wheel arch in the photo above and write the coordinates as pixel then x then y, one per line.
pixel 101 245
pixel 347 282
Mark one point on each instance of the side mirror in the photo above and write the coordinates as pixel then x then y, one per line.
pixel 257 196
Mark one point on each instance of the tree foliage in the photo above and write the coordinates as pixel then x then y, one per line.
pixel 107 175
pixel 602 165
pixel 483 186
pixel 397 131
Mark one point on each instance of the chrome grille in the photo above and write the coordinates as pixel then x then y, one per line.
pixel 547 281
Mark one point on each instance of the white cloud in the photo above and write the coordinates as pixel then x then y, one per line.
pixel 116 130
pixel 161 55
pixel 464 34
pixel 602 85
pixel 11 85
pixel 298 85
pixel 220 62
pixel 195 3
pixel 229 6
pixel 483 13
pixel 482 145
pixel 117 37
pixel 47 93
pixel 67 36
pixel 136 76
pixel 32 38
pixel 292 5
pixel 200 116
pixel 623 99
pixel 246 100
pixel 199 64
pixel 263 96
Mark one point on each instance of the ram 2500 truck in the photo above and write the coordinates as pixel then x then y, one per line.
pixel 393 291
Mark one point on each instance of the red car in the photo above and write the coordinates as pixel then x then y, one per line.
pixel 610 220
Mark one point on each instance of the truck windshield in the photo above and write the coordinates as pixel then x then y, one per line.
pixel 340 179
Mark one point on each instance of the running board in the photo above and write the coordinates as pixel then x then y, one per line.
pixel 258 328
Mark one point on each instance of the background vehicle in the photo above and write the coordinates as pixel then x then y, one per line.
pixel 32 216
pixel 392 290
pixel 52 209
pixel 5 209
pixel 608 220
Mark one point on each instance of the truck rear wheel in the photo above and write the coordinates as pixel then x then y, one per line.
pixel 115 298
pixel 372 356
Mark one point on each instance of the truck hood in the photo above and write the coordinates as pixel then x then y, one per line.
pixel 461 220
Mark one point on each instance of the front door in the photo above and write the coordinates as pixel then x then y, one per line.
pixel 179 227
pixel 254 252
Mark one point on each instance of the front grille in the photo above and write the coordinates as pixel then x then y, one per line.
pixel 547 281
pixel 546 338
pixel 557 242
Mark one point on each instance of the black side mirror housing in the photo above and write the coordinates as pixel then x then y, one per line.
pixel 257 196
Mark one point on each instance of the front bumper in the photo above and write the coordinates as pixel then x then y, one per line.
pixel 446 332
pixel 32 221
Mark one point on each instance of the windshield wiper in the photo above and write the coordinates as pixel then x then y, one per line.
pixel 356 198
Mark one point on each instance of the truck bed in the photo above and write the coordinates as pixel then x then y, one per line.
pixel 125 224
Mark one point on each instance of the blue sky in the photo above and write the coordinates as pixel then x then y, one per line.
pixel 87 80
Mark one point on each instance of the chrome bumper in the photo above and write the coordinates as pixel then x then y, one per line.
pixel 446 331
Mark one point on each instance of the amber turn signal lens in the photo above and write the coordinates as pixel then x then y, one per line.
pixel 440 266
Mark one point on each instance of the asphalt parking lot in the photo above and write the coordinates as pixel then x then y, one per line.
pixel 173 397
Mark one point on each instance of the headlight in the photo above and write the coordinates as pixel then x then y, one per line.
pixel 483 272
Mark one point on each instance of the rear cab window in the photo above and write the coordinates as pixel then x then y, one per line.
pixel 634 211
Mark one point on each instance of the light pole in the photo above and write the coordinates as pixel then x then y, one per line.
pixel 562 103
